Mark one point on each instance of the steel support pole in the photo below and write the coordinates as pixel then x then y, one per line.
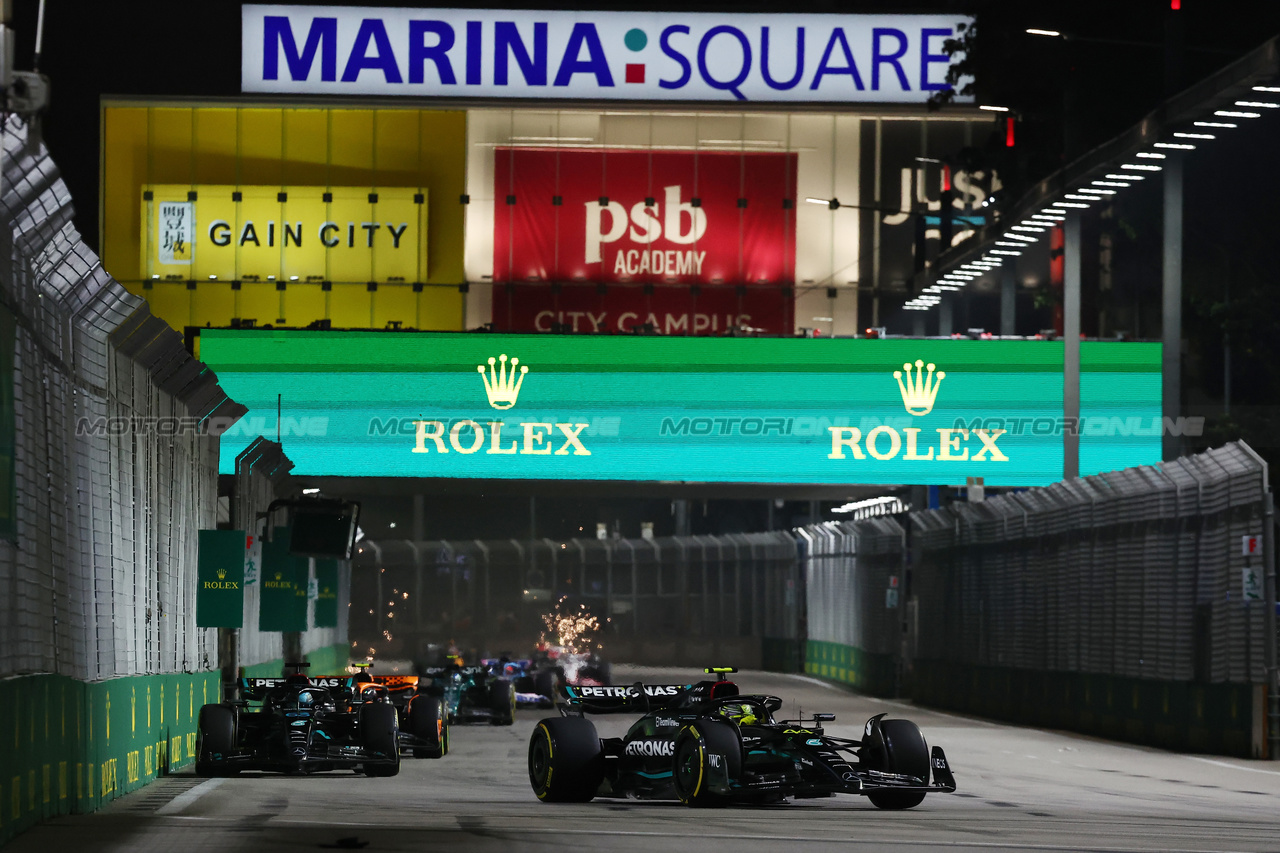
pixel 680 507
pixel 945 323
pixel 1071 347
pixel 1008 297
pixel 1171 316
pixel 1273 669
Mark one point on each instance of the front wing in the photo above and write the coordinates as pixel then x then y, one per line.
pixel 333 758
pixel 854 781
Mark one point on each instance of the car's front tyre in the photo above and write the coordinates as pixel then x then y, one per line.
pixel 905 752
pixel 694 764
pixel 429 724
pixel 217 740
pixel 502 702
pixel 379 735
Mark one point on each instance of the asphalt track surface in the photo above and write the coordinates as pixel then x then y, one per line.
pixel 1019 789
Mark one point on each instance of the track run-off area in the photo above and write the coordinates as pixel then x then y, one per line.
pixel 1019 789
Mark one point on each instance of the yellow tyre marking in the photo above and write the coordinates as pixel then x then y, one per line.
pixel 702 761
pixel 546 788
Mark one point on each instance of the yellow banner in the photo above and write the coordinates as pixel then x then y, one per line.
pixel 307 234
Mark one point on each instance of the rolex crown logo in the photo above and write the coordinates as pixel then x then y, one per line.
pixel 279 575
pixel 919 391
pixel 502 386
pixel 222 574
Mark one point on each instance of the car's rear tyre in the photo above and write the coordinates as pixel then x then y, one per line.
pixel 692 762
pixel 429 725
pixel 544 683
pixel 905 752
pixel 502 702
pixel 379 732
pixel 217 740
pixel 566 760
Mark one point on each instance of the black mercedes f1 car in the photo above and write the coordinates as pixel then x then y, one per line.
pixel 706 744
pixel 297 725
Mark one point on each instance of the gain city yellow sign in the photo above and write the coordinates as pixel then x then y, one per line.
pixel 283 234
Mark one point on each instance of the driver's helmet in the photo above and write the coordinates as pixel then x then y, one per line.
pixel 740 713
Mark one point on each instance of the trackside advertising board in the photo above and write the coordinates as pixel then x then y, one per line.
pixel 765 410
pixel 693 224
pixel 284 233
pixel 598 56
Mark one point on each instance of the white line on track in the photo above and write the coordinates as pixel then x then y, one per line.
pixel 1232 766
pixel 186 798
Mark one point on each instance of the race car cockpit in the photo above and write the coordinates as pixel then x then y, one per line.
pixel 744 711
pixel 290 698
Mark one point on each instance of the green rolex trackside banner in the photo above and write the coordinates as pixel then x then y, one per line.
pixel 284 586
pixel 693 409
pixel 326 593
pixel 220 579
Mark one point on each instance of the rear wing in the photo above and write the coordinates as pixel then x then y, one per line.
pixel 396 685
pixel 498 664
pixel 392 682
pixel 434 672
pixel 256 689
pixel 638 697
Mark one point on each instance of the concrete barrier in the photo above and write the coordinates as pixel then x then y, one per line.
pixel 1221 718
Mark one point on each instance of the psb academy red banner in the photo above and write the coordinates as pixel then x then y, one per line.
pixel 689 242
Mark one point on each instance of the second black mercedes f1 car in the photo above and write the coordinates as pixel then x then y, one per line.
pixel 706 744
pixel 297 725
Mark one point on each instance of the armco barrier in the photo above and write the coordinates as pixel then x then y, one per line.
pixel 67 746
pixel 1214 718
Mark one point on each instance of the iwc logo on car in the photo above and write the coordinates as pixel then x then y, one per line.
pixel 651 748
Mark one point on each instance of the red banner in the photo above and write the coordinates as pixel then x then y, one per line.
pixel 712 234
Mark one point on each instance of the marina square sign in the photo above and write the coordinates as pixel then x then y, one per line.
pixel 599 56
pixel 730 410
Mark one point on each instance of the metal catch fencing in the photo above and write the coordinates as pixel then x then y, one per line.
pixel 110 479
pixel 483 593
pixel 850 569
pixel 1136 573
